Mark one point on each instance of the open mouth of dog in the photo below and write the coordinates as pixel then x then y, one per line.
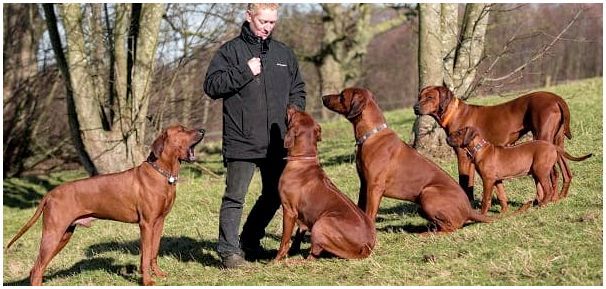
pixel 191 154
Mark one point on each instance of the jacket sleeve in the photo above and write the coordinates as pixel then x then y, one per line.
pixel 297 87
pixel 224 78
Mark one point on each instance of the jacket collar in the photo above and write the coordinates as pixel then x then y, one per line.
pixel 249 37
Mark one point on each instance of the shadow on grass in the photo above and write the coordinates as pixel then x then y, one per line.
pixel 184 249
pixel 338 159
pixel 128 272
pixel 26 193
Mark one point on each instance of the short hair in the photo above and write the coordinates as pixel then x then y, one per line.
pixel 254 7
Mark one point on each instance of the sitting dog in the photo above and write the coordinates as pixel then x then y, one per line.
pixel 144 194
pixel 389 167
pixel 308 197
pixel 496 163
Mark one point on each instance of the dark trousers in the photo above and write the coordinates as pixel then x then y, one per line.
pixel 237 181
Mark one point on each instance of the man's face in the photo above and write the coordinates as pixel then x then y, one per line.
pixel 262 21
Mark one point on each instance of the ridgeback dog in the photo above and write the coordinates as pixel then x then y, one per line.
pixel 544 114
pixel 389 167
pixel 496 163
pixel 144 194
pixel 308 197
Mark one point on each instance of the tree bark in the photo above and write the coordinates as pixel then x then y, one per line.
pixel 110 147
pixel 347 34
pixel 72 114
pixel 429 138
pixel 471 48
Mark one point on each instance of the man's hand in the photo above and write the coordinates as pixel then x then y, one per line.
pixel 255 65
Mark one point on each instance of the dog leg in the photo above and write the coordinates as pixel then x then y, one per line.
pixel 373 200
pixel 288 225
pixel 487 195
pixel 502 197
pixel 146 252
pixel 53 240
pixel 158 227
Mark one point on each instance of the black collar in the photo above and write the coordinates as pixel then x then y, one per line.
pixel 172 179
pixel 249 37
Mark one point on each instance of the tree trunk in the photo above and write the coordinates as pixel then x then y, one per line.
pixel 72 116
pixel 447 58
pixel 23 28
pixel 347 34
pixel 471 48
pixel 119 146
pixel 429 138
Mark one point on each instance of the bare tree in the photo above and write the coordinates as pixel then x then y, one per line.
pixel 347 32
pixel 23 28
pixel 108 132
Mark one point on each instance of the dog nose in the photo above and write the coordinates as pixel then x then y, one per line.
pixel 202 131
pixel 416 109
pixel 325 99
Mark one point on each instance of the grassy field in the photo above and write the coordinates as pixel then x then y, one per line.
pixel 561 244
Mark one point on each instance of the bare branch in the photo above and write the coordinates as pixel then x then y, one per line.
pixel 539 54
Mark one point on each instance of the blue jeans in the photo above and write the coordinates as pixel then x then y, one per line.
pixel 237 181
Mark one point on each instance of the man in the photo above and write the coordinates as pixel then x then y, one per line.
pixel 257 77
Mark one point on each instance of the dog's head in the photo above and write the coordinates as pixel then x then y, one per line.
pixel 176 143
pixel 433 100
pixel 303 132
pixel 350 102
pixel 462 137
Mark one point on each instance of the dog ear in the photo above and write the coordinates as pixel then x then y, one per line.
pixel 289 139
pixel 358 102
pixel 318 131
pixel 446 97
pixel 157 147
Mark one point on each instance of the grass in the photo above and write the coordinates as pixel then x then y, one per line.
pixel 561 244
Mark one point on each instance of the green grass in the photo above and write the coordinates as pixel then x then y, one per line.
pixel 561 244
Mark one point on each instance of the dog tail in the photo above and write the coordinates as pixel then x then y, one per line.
pixel 565 118
pixel 29 223
pixel 477 217
pixel 573 158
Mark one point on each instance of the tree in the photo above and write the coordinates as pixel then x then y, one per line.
pixel 23 28
pixel 347 32
pixel 447 55
pixel 107 66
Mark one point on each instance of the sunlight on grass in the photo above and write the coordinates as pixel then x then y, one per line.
pixel 560 244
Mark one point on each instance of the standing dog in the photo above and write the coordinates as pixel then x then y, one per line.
pixel 144 194
pixel 496 163
pixel 389 167
pixel 311 199
pixel 544 114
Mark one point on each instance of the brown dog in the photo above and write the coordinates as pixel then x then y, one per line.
pixel 389 167
pixel 496 163
pixel 143 195
pixel 309 197
pixel 544 114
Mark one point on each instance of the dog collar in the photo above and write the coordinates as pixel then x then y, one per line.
pixel 301 158
pixel 449 113
pixel 370 133
pixel 172 179
pixel 475 149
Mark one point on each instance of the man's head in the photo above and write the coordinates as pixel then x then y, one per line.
pixel 262 18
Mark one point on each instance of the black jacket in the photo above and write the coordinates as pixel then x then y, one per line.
pixel 254 107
